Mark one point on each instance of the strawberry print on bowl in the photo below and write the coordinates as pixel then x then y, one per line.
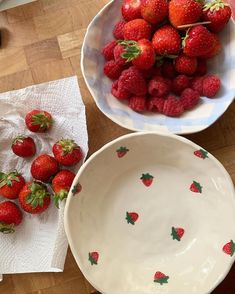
pixel 93 257
pixel 201 153
pixel 122 151
pixel 160 278
pixel 147 179
pixel 196 187
pixel 132 217
pixel 76 189
pixel 229 248
pixel 177 233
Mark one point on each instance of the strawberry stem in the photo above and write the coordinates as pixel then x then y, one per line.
pixel 68 145
pixel 60 196
pixel 37 195
pixel 7 179
pixel 6 228
pixel 42 120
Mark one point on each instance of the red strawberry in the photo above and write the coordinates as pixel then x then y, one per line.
pixel 180 83
pixel 77 188
pixel 137 103
pixel 177 233
pixel 168 69
pixel 167 41
pixel 132 217
pixel 67 152
pixel 118 51
pixel 131 9
pixel 196 187
pixel 61 185
pixel 34 198
pixel 215 48
pixel 141 53
pixel 44 167
pixel 218 13
pixel 210 86
pixel 119 92
pixel 172 107
pixel 182 12
pixel 108 49
pixel 159 87
pixel 160 278
pixel 38 121
pixel 198 41
pixel 10 217
pixel 147 179
pixel 122 151
pixel 197 84
pixel 156 104
pixel 189 98
pixel 186 65
pixel 112 70
pixel 118 30
pixel 93 257
pixel 23 146
pixel 229 248
pixel 201 68
pixel 201 153
pixel 154 11
pixel 11 184
pixel 133 81
pixel 137 29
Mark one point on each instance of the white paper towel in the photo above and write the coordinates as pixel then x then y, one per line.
pixel 39 243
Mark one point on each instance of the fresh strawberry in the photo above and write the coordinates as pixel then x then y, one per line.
pixel 215 48
pixel 61 185
pixel 10 217
pixel 118 52
pixel 44 167
pixel 201 68
pixel 160 278
pixel 229 248
pixel 211 85
pixel 112 70
pixel 159 87
pixel 141 53
pixel 218 13
pixel 119 92
pixel 177 233
pixel 38 121
pixel 34 198
pixel 167 41
pixel 23 146
pixel 180 83
pixel 122 151
pixel 147 179
pixel 196 187
pixel 168 69
pixel 11 184
pixel 189 98
pixel 198 41
pixel 132 217
pixel 201 153
pixel 197 85
pixel 67 152
pixel 186 65
pixel 182 12
pixel 118 30
pixel 156 104
pixel 77 189
pixel 93 257
pixel 137 103
pixel 173 107
pixel 133 81
pixel 154 11
pixel 131 9
pixel 137 29
pixel 108 49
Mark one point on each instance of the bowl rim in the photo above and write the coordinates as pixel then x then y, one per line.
pixel 107 146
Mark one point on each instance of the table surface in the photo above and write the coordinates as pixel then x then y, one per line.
pixel 41 41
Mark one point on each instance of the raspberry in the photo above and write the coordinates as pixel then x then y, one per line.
pixel 159 87
pixel 118 92
pixel 132 80
pixel 156 104
pixel 137 103
pixel 211 86
pixel 118 50
pixel 201 68
pixel 172 106
pixel 118 30
pixel 196 84
pixel 186 65
pixel 189 98
pixel 180 83
pixel 168 70
pixel 151 73
pixel 112 70
pixel 108 50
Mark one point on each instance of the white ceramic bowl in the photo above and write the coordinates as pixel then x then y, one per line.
pixel 136 194
pixel 99 33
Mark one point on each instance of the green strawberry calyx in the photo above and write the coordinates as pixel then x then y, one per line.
pixel 146 177
pixel 37 195
pixel 215 5
pixel 232 247
pixel 174 234
pixel 6 228
pixel 163 280
pixel 42 120
pixel 198 186
pixel 122 149
pixel 19 139
pixel 7 179
pixel 132 50
pixel 60 196
pixel 203 153
pixel 68 145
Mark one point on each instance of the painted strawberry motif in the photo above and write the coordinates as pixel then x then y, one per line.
pixel 132 217
pixel 201 153
pixel 122 151
pixel 229 248
pixel 177 233
pixel 76 189
pixel 93 257
pixel 147 179
pixel 160 278
pixel 196 187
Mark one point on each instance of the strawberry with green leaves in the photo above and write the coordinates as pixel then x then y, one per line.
pixel 122 151
pixel 93 257
pixel 229 248
pixel 23 146
pixel 196 187
pixel 38 121
pixel 160 278
pixel 154 11
pixel 201 153
pixel 11 184
pixel 147 179
pixel 10 217
pixel 132 217
pixel 177 233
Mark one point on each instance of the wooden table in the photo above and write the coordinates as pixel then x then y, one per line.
pixel 42 42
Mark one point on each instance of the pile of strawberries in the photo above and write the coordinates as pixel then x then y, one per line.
pixel 34 196
pixel 158 60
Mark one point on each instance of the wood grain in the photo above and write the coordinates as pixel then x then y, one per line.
pixel 42 42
